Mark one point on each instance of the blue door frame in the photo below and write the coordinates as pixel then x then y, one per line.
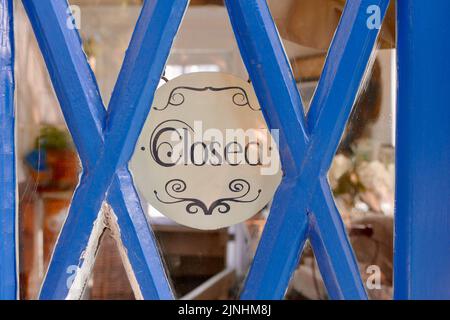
pixel 8 223
pixel 422 221
pixel 303 207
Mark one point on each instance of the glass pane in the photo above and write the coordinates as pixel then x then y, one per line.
pixel 109 280
pixel 362 174
pixel 106 29
pixel 48 166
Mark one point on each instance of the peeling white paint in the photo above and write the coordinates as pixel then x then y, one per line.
pixel 113 226
pixel 87 259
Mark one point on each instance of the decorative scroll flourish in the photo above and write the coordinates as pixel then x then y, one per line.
pixel 177 98
pixel 175 187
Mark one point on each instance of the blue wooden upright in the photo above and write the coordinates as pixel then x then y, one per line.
pixel 8 227
pixel 422 215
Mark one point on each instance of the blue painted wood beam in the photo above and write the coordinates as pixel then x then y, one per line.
pixel 303 206
pixel 81 103
pixel 272 79
pixel 8 213
pixel 331 106
pixel 422 213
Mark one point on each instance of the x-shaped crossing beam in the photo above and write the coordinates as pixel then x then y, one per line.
pixel 303 206
pixel 105 140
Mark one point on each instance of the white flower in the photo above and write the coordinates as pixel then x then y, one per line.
pixel 374 176
pixel 341 164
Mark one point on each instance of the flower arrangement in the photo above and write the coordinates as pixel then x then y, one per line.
pixel 362 182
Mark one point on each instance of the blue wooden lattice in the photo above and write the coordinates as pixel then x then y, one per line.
pixel 303 206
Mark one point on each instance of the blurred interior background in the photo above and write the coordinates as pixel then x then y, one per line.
pixel 213 264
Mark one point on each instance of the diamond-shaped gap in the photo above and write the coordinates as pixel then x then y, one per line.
pixel 306 29
pixel 110 279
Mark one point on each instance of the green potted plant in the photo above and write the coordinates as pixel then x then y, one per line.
pixel 61 162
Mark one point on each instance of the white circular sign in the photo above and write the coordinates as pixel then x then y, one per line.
pixel 205 157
